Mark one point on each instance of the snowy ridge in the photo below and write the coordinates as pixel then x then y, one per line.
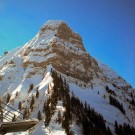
pixel 112 75
pixel 53 24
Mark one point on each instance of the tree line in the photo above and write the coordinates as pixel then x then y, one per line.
pixel 124 129
pixel 91 122
pixel 113 101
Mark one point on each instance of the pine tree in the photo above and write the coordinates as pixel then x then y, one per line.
pixel 28 113
pixel 32 102
pixel 116 127
pixel 39 116
pixel 25 113
pixel 116 103
pixel 37 94
pixel 107 88
pixel 14 118
pixel 59 117
pixel 44 106
pixel 20 106
pixel 47 113
pixel 31 88
pixel 8 97
pixel 33 99
pixel 109 131
pixel 1 112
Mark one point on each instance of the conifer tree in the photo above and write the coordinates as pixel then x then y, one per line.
pixel 116 103
pixel 109 131
pixel 1 112
pixel 32 102
pixel 39 116
pixel 14 118
pixel 107 88
pixel 37 94
pixel 44 106
pixel 20 106
pixel 116 127
pixel 59 117
pixel 25 113
pixel 31 88
pixel 8 97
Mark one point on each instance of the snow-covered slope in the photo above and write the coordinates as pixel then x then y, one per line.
pixel 56 47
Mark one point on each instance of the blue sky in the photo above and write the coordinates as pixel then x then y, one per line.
pixel 106 26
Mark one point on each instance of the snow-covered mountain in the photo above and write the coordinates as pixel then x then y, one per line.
pixel 27 70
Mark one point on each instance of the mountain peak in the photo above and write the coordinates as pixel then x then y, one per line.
pixel 61 30
pixel 57 44
pixel 53 23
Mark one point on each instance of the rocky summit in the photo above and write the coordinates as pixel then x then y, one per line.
pixel 54 79
pixel 58 45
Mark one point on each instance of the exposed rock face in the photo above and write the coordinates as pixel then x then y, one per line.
pixel 58 45
pixel 64 32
